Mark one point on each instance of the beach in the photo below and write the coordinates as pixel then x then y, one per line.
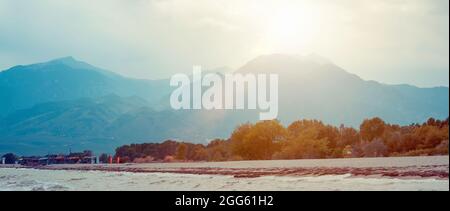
pixel 392 174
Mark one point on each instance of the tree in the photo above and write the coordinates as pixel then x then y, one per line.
pixel 348 136
pixel 199 153
pixel 103 158
pixel 306 139
pixel 218 150
pixel 10 158
pixel 442 148
pixel 376 148
pixel 238 147
pixel 371 129
pixel 259 141
pixel 181 152
pixel 431 122
pixel 302 140
pixel 299 127
pixel 393 140
pixel 301 148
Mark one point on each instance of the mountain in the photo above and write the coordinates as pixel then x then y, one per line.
pixel 313 87
pixel 67 104
pixel 99 124
pixel 57 126
pixel 68 79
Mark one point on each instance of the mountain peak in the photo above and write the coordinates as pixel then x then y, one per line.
pixel 71 62
pixel 286 63
pixel 59 64
pixel 313 57
pixel 292 58
pixel 68 61
pixel 64 59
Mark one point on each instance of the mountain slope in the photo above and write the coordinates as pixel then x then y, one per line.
pixel 312 88
pixel 67 79
pixel 66 104
pixel 99 124
pixel 58 126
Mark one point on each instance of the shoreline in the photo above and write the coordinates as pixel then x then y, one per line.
pixel 436 167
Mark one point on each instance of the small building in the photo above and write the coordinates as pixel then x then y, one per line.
pixel 33 161
pixel 73 158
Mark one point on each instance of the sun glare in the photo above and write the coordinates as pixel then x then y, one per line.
pixel 290 29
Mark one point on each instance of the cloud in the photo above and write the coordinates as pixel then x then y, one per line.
pixel 394 41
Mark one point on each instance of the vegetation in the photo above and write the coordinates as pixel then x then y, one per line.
pixel 103 158
pixel 304 139
pixel 9 158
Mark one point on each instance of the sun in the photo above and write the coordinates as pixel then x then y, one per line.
pixel 290 29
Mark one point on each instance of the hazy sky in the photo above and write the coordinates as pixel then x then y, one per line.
pixel 391 41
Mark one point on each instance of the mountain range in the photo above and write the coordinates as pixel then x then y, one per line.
pixel 68 104
pixel 68 79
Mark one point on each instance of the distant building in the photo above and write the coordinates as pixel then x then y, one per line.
pixel 73 158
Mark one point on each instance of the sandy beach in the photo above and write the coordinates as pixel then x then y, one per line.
pixel 392 174
pixel 398 167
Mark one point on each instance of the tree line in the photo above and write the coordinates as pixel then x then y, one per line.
pixel 303 139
